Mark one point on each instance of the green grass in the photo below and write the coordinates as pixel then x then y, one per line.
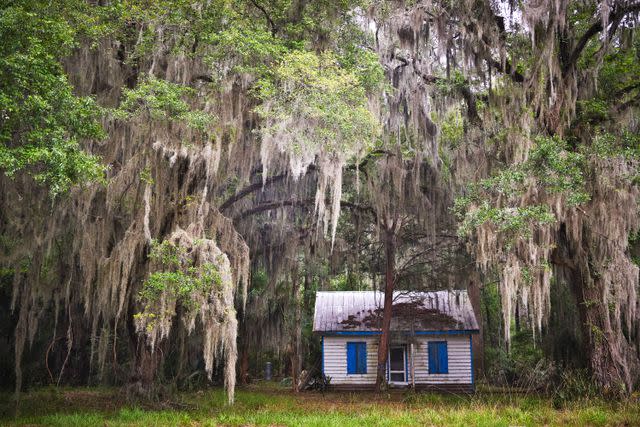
pixel 272 405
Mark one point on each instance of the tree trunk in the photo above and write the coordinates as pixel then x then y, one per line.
pixel 608 349
pixel 244 365
pixel 297 333
pixel 478 340
pixel 294 371
pixel 144 372
pixel 181 355
pixel 145 365
pixel 298 344
pixel 612 359
pixel 383 347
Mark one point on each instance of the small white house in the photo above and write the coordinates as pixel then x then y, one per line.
pixel 430 342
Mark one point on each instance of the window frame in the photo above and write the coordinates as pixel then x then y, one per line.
pixel 405 365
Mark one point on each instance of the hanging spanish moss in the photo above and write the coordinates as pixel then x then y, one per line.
pixel 323 146
pixel 518 217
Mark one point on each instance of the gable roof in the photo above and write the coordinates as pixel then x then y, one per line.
pixel 361 311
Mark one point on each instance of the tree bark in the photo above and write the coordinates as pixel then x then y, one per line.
pixel 383 346
pixel 145 364
pixel 613 360
pixel 244 365
pixel 145 370
pixel 297 333
pixel 478 340
pixel 298 343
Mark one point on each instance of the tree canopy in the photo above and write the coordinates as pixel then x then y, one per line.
pixel 156 154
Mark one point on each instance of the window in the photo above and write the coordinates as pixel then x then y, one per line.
pixel 356 358
pixel 438 358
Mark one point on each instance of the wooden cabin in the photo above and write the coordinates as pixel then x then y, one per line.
pixel 430 341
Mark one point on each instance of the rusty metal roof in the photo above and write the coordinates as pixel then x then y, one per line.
pixel 361 311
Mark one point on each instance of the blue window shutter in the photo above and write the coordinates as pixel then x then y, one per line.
pixel 432 358
pixel 362 358
pixel 444 358
pixel 438 357
pixel 356 358
pixel 351 358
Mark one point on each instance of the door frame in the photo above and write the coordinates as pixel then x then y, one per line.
pixel 404 369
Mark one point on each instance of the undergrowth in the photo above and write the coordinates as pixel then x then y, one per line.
pixel 273 405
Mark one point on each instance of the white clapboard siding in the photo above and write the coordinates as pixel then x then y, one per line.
pixel 335 360
pixel 458 354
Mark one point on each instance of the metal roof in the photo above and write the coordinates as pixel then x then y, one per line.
pixel 361 311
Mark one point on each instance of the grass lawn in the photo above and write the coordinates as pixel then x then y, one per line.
pixel 272 405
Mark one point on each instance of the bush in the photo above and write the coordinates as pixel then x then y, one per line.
pixel 573 385
pixel 524 367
